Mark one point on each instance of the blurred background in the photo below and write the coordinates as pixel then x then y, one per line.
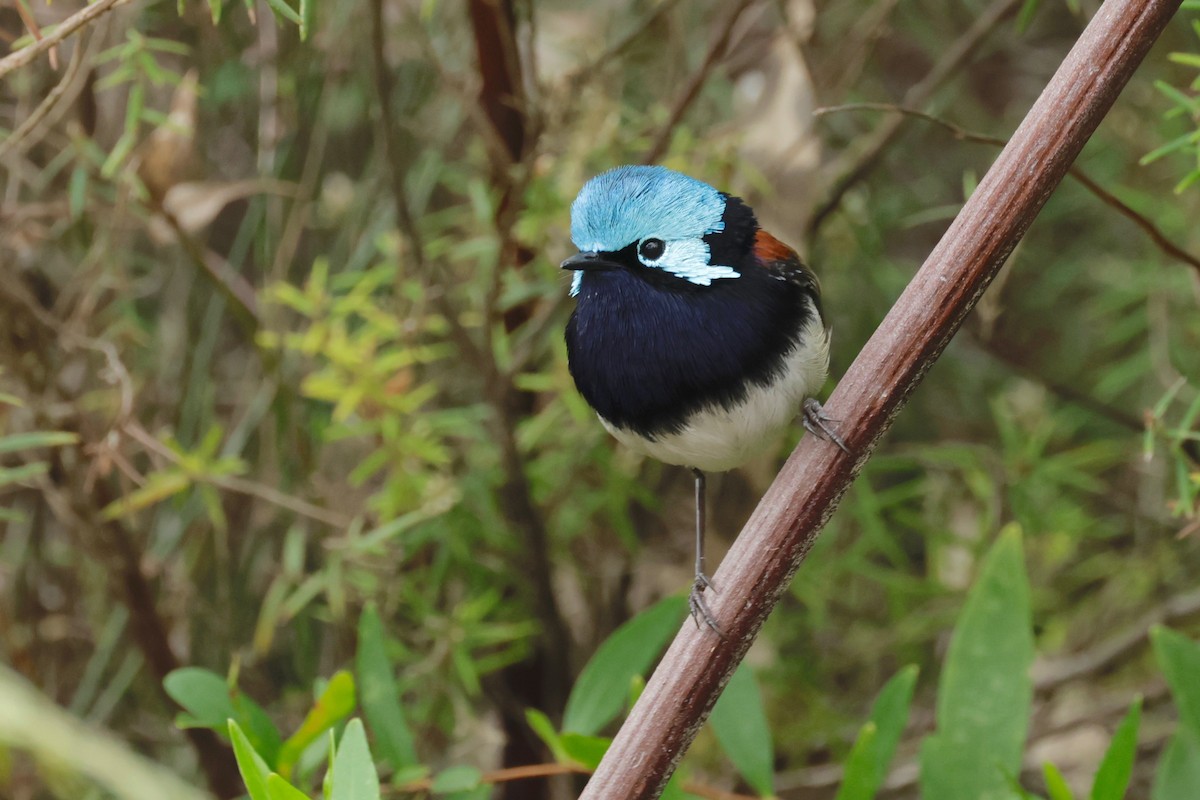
pixel 281 339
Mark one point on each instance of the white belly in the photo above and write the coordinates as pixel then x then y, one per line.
pixel 716 439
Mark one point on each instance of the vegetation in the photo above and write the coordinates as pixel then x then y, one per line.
pixel 294 478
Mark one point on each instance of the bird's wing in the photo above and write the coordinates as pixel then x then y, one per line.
pixel 783 263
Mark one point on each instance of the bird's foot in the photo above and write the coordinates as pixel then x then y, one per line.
pixel 699 606
pixel 817 423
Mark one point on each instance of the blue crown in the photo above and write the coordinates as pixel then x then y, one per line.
pixel 627 204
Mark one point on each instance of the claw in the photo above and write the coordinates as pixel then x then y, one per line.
pixel 817 422
pixel 699 606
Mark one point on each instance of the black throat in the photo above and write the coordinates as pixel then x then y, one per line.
pixel 648 349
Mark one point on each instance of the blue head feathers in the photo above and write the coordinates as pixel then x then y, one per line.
pixel 628 205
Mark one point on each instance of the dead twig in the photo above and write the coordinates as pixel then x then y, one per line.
pixel 1160 239
pixel 64 29
pixel 15 142
pixel 758 568
pixel 690 92
pixel 852 168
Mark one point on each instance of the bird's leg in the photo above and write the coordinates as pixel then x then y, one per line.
pixel 696 602
pixel 817 423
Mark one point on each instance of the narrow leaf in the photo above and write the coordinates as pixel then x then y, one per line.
pixel 354 775
pixel 28 441
pixel 1178 772
pixel 335 704
pixel 1179 658
pixel 867 765
pixel 1056 784
pixel 1112 778
pixel 255 771
pixel 985 692
pixel 740 723
pixel 600 692
pixel 158 487
pixel 280 789
pixel 380 696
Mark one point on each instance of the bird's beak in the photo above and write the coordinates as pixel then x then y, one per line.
pixel 589 260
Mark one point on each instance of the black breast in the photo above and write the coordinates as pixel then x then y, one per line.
pixel 647 354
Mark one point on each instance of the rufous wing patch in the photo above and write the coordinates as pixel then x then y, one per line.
pixel 769 249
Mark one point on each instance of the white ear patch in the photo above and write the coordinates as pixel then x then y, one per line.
pixel 688 259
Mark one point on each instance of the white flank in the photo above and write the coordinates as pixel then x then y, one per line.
pixel 717 439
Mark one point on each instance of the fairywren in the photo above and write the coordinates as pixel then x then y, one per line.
pixel 697 336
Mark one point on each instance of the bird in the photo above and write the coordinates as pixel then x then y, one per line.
pixel 697 336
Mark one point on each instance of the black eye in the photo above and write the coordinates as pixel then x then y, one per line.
pixel 652 249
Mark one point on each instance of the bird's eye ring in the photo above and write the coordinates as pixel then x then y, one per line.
pixel 652 249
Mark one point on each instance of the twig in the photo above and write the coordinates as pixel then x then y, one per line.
pixel 1155 233
pixel 224 277
pixel 690 92
pixel 635 32
pixel 64 29
pixel 853 168
pixel 47 105
pixel 529 771
pixel 757 569
pixel 241 485
pixel 1049 674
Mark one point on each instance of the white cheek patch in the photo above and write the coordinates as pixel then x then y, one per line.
pixel 576 282
pixel 688 259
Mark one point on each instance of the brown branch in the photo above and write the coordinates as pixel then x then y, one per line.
pixel 690 92
pixel 500 94
pixel 1049 674
pixel 529 771
pixel 1160 239
pixel 583 73
pixel 15 142
pixel 64 29
pixel 852 168
pixel 758 568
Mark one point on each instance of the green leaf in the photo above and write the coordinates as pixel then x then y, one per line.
pixel 985 692
pixel 279 789
pixel 585 750
pixel 1112 778
pixel 28 441
pixel 1179 658
pixel 867 765
pixel 203 694
pixel 456 779
pixel 210 702
pixel 255 771
pixel 158 487
pixel 9 475
pixel 1056 784
pixel 740 723
pixel 858 778
pixel 354 775
pixel 335 704
pixel 599 694
pixel 380 696
pixel 283 10
pixel 545 731
pixel 308 14
pixel 1178 772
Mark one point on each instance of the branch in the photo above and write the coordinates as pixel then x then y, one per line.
pixel 756 571
pixel 853 168
pixel 1160 239
pixel 715 50
pixel 64 29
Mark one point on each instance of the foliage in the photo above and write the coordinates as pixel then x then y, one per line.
pixel 287 429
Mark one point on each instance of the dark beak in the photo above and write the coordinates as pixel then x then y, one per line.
pixel 589 260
